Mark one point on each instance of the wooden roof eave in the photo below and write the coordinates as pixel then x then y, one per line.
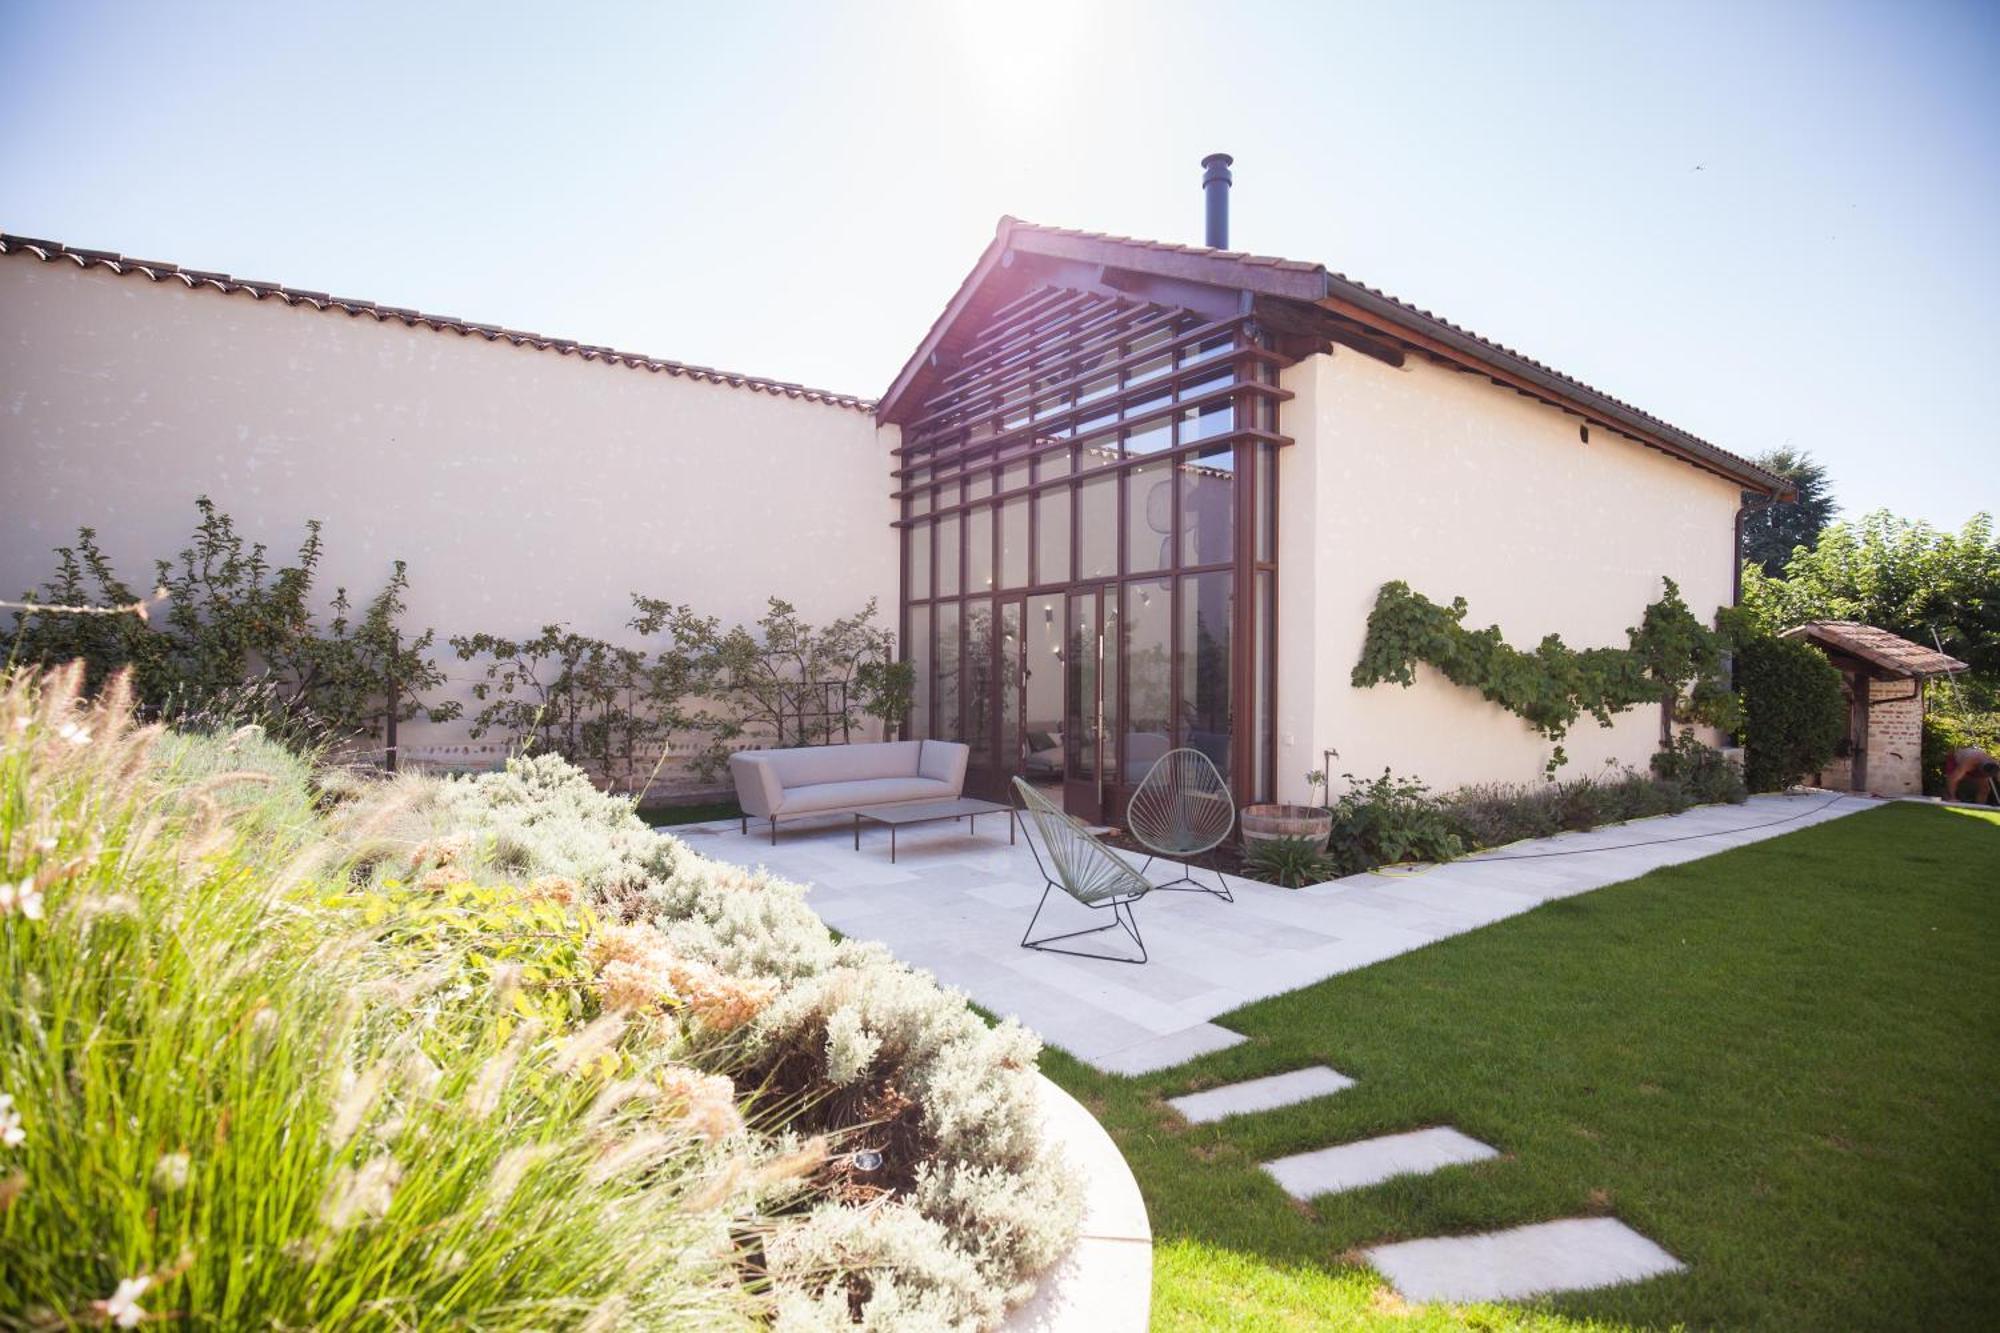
pixel 926 356
pixel 1441 340
pixel 1314 286
pixel 1203 270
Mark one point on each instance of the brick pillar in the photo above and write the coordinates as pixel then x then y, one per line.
pixel 1895 738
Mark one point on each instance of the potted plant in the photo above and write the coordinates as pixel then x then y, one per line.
pixel 1272 823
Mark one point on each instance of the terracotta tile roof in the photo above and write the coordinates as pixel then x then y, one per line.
pixel 1891 652
pixel 1297 283
pixel 53 251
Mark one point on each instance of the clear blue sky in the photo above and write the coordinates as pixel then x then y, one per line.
pixel 1769 223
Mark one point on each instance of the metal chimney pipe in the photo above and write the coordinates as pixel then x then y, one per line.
pixel 1215 180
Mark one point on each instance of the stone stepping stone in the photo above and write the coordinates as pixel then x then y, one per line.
pixel 1571 1255
pixel 1260 1094
pixel 1350 1166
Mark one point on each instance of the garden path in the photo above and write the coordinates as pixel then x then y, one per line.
pixel 956 904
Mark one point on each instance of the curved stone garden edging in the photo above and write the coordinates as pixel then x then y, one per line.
pixel 1105 1283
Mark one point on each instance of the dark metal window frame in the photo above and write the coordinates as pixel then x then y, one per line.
pixel 1052 343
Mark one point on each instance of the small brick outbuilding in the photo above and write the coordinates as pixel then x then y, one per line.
pixel 1884 677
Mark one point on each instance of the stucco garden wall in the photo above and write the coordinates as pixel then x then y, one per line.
pixel 1462 488
pixel 522 486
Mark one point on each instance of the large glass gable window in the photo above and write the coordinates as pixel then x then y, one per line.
pixel 1119 479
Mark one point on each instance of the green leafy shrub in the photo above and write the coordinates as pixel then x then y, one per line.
pixel 1945 731
pixel 529 950
pixel 1702 771
pixel 1387 820
pixel 1495 814
pixel 226 619
pixel 598 704
pixel 232 1105
pixel 1291 863
pixel 1794 712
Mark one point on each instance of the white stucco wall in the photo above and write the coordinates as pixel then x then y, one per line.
pixel 521 486
pixel 1460 487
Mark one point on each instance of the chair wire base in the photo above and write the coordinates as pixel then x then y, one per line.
pixel 1189 884
pixel 1122 918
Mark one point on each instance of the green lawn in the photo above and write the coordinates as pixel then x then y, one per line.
pixel 1781 1063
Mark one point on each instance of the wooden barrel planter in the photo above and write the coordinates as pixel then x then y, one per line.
pixel 1270 823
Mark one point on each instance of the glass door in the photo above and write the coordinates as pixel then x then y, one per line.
pixel 1042 682
pixel 1091 703
pixel 996 678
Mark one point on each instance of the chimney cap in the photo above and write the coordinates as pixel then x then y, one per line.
pixel 1218 163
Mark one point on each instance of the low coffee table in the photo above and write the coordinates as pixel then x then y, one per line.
pixel 925 812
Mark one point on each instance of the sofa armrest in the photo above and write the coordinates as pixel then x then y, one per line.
pixel 758 790
pixel 944 761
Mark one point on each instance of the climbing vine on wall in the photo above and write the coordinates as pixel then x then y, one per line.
pixel 1672 659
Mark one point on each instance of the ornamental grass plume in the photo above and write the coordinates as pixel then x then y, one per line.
pixel 702 1103
pixel 208 1016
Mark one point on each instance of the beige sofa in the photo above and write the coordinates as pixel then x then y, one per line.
pixel 834 779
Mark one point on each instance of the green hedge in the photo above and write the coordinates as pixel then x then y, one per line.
pixel 1794 714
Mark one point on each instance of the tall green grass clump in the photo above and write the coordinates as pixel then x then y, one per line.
pixel 237 1093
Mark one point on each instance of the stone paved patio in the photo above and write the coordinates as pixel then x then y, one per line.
pixel 956 905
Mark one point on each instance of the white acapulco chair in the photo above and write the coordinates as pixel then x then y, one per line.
pixel 1086 870
pixel 1181 809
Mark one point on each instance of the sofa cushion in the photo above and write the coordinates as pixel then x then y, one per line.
pixel 758 790
pixel 944 761
pixel 811 764
pixel 861 792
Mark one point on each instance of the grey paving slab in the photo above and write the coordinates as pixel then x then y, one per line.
pixel 957 905
pixel 1260 1094
pixel 1168 1050
pixel 1351 1166
pixel 1571 1255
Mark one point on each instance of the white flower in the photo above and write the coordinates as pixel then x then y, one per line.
pixel 171 1171
pixel 123 1307
pixel 23 897
pixel 11 1133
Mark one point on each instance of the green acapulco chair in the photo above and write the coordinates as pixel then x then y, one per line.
pixel 1183 808
pixel 1086 870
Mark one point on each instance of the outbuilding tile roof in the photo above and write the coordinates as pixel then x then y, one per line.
pixel 1891 652
pixel 158 271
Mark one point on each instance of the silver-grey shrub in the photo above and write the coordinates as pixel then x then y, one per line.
pixel 969 1203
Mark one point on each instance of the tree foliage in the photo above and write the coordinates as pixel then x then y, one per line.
pixel 793 683
pixel 1772 532
pixel 1902 575
pixel 606 706
pixel 231 624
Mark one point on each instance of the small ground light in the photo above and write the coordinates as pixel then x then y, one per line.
pixel 867 1160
